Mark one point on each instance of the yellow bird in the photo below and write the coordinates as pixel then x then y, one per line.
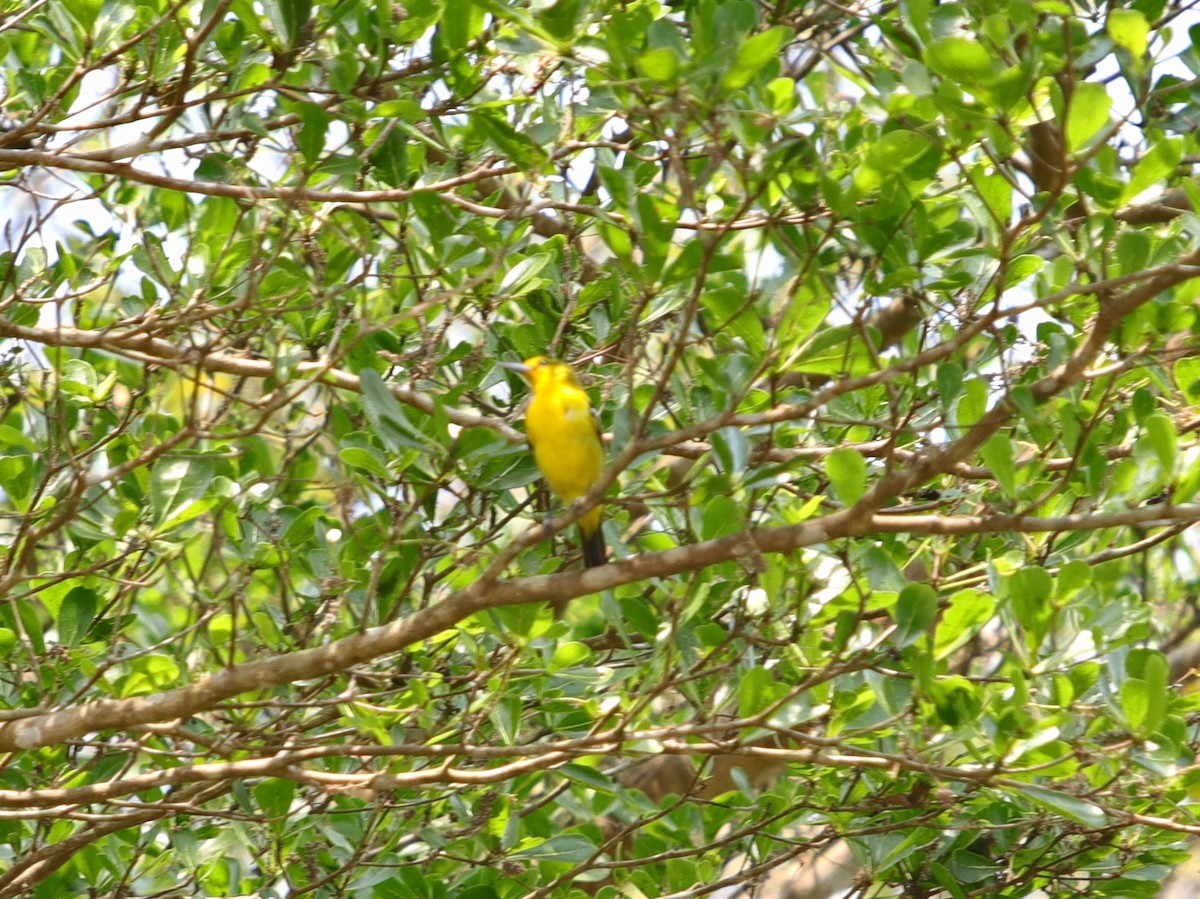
pixel 565 438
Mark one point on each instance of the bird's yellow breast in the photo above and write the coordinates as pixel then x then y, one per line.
pixel 565 439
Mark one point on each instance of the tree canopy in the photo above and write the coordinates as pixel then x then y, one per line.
pixel 889 313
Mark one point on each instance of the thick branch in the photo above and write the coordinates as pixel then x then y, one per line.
pixel 109 714
pixel 143 347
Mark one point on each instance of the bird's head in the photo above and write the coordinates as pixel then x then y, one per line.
pixel 542 371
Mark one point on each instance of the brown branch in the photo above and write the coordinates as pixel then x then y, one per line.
pixel 34 867
pixel 1112 309
pixel 109 714
pixel 1158 516
pixel 156 351
pixel 89 165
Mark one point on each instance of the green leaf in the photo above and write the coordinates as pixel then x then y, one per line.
pixel 1135 704
pixel 847 471
pixel 996 192
pixel 523 277
pixel 78 378
pixel 192 510
pixel 956 700
pixel 641 617
pixel 562 18
pixel 803 316
pixel 752 55
pixel 998 455
pixel 949 378
pixel 1104 189
pixel 961 60
pixel 568 654
pixel 721 517
pixel 566 849
pixel 657 218
pixel 16 476
pixel 970 867
pixel 1088 113
pixel 176 485
pixel 32 625
pixel 965 615
pixel 274 796
pixel 973 403
pixel 914 612
pixel 949 882
pixel 897 149
pixel 314 123
pixel 1030 589
pixel 1161 437
pixel 1072 577
pixel 85 12
pixel 1157 164
pixel 730 312
pixel 587 776
pixel 288 18
pixel 432 210
pixel 216 167
pixel 758 690
pixel 460 25
pixel 1078 810
pixel 1032 584
pixel 390 156
pixel 1133 250
pixel 1187 378
pixel 1021 268
pixel 1129 29
pixel 661 65
pixel 710 634
pixel 516 145
pixel 782 93
pixel 617 239
pixel 365 459
pixel 11 439
pixel 889 155
pixel 150 674
pixel 1151 666
pixel 520 622
pixel 387 416
pixel 76 615
pixel 1144 705
pixel 732 447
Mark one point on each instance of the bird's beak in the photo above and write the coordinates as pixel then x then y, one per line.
pixel 519 367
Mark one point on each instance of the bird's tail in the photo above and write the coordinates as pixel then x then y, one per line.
pixel 594 551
